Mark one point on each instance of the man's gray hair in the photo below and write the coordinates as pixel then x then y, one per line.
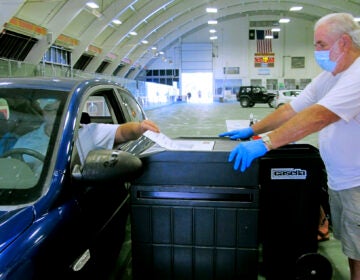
pixel 340 23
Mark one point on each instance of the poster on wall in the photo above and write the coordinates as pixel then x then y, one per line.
pixel 297 62
pixel 231 70
pixel 264 61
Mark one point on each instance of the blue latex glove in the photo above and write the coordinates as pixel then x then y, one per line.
pixel 246 152
pixel 244 133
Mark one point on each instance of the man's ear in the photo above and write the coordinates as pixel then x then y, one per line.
pixel 347 42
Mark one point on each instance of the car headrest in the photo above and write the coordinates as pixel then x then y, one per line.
pixel 85 118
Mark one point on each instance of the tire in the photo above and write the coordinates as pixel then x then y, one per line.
pixel 313 266
pixel 244 102
pixel 271 103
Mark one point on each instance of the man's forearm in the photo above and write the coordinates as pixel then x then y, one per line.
pixel 301 125
pixel 274 120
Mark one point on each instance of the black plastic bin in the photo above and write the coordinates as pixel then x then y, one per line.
pixel 194 217
pixel 290 180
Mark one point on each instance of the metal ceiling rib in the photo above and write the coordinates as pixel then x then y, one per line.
pixel 187 22
pixel 153 28
pixel 132 24
pixel 40 12
pixel 161 22
pixel 250 8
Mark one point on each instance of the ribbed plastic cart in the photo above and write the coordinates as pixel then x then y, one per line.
pixel 194 217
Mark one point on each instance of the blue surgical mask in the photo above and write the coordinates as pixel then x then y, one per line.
pixel 323 59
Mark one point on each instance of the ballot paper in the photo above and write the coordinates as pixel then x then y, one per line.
pixel 236 124
pixel 179 145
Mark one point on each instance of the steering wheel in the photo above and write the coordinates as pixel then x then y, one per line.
pixel 19 152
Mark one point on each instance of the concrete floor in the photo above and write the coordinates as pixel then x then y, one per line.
pixel 199 119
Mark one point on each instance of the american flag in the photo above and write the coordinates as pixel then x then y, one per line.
pixel 264 46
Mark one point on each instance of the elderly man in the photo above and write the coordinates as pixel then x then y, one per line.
pixel 329 104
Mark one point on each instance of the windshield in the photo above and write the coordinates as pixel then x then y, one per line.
pixel 29 120
pixel 291 93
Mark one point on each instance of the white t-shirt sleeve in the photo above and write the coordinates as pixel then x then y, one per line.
pixel 339 94
pixel 95 136
pixel 344 98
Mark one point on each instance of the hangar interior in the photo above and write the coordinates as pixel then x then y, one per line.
pixel 160 42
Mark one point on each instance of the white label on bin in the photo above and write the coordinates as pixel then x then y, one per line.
pixel 288 174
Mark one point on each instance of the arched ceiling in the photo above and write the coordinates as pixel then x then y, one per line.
pixel 160 22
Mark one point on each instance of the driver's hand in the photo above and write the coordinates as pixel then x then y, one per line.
pixel 149 125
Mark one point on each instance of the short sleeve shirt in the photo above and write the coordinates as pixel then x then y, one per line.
pixel 35 140
pixel 339 141
pixel 95 136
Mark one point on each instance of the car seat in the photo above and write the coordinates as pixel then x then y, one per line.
pixel 8 137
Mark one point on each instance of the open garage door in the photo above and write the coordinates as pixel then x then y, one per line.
pixel 197 73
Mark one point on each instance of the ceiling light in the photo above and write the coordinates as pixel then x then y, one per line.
pixel 212 31
pixel 145 42
pixel 92 5
pixel 133 33
pixel 284 20
pixel 211 10
pixel 296 8
pixel 212 22
pixel 161 52
pixel 213 37
pixel 97 13
pixel 154 48
pixel 275 29
pixel 269 36
pixel 116 21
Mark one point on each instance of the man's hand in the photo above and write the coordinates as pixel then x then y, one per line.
pixel 244 133
pixel 148 125
pixel 246 152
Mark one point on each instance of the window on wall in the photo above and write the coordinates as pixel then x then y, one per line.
pixel 255 82
pixel 102 66
pixel 57 55
pixel 304 83
pixel 15 46
pixel 290 83
pixel 83 62
pixel 271 84
pixel 162 76
pixel 118 69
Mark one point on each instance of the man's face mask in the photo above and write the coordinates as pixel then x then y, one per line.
pixel 323 59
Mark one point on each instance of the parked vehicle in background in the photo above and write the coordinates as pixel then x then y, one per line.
pixel 284 96
pixel 66 220
pixel 248 96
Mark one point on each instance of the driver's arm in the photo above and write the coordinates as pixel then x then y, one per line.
pixel 133 130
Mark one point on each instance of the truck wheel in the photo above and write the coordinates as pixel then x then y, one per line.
pixel 271 103
pixel 244 102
